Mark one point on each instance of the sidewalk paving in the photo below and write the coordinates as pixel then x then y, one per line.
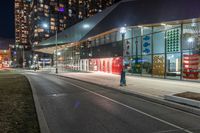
pixel 157 88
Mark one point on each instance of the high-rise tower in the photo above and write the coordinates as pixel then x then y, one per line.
pixel 22 10
pixel 56 15
pixel 59 15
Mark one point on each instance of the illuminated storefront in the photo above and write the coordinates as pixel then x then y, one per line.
pixel 4 58
pixel 159 47
pixel 107 65
pixel 165 51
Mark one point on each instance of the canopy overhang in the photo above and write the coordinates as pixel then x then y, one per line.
pixel 129 12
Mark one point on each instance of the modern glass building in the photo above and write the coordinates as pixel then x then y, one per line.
pixel 162 40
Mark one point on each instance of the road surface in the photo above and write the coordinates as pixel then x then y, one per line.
pixel 71 106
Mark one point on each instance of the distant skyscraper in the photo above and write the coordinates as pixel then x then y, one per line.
pixel 36 20
pixel 59 15
pixel 22 10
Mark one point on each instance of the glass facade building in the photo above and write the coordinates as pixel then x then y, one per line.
pixel 169 51
pixel 161 49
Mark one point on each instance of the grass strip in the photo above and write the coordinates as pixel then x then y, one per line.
pixel 189 95
pixel 17 110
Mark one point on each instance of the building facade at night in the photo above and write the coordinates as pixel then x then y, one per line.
pixel 59 15
pixel 31 15
pixel 5 52
pixel 37 20
pixel 5 58
pixel 22 48
pixel 162 40
pixel 22 10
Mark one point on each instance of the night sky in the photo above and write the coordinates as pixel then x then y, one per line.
pixel 7 19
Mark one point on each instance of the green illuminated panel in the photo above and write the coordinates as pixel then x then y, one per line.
pixel 173 40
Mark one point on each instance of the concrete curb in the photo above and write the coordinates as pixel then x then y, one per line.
pixel 183 100
pixel 160 101
pixel 42 121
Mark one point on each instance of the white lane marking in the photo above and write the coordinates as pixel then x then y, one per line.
pixel 171 108
pixel 134 109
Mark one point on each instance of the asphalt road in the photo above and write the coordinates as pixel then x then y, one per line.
pixel 71 106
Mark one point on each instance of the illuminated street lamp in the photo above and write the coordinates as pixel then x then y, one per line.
pixel 35 61
pixel 123 32
pixel 123 73
pixel 45 25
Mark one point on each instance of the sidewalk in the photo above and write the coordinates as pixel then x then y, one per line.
pixel 157 88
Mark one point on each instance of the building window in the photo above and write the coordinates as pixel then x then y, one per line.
pixel 173 65
pixel 119 36
pixel 128 33
pixel 107 38
pixel 191 51
pixel 147 65
pixel 136 31
pixel 113 37
pixel 158 28
pixel 191 40
pixel 146 30
pixel 147 44
pixel 158 65
pixel 136 65
pixel 173 37
pixel 137 46
pixel 93 43
pixel 102 40
pixel 159 42
pixel 97 41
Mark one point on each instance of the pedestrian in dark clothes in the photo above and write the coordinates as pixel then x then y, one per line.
pixel 123 78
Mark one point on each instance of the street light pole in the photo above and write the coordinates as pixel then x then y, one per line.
pixel 123 36
pixel 123 73
pixel 56 51
pixel 123 32
pixel 45 25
